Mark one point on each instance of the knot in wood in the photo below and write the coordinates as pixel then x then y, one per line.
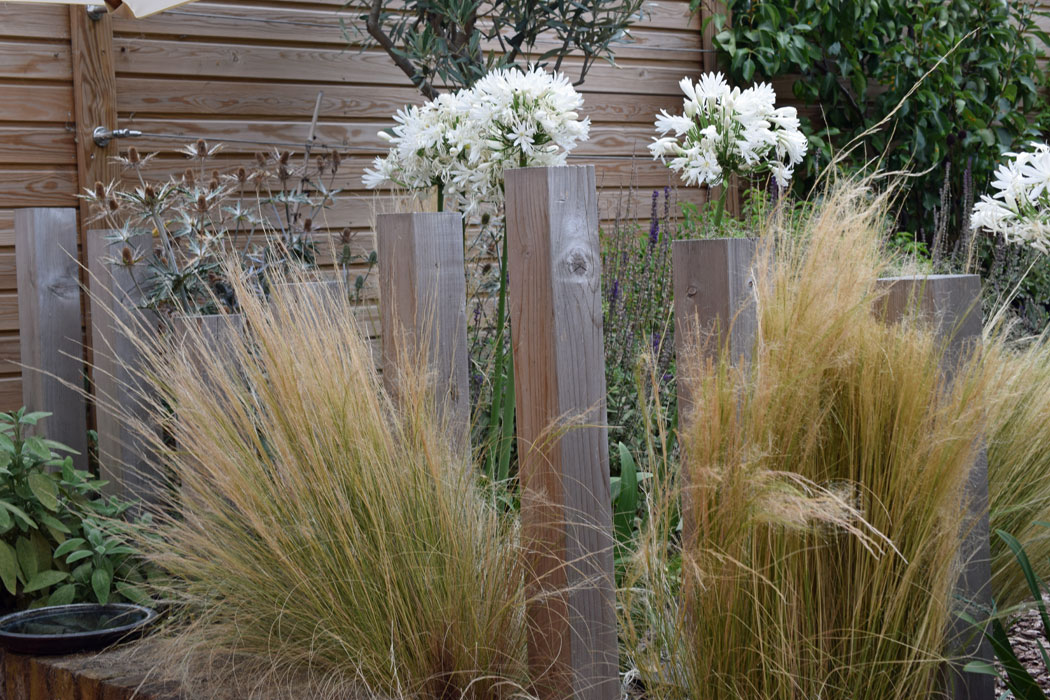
pixel 691 291
pixel 579 262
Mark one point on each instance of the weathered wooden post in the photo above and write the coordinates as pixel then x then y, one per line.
pixel 125 460
pixel 559 371
pixel 52 348
pixel 714 294
pixel 952 304
pixel 423 306
pixel 714 311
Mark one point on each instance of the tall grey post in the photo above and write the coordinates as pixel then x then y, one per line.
pixel 952 303
pixel 554 267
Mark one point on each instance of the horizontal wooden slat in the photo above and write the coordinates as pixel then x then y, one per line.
pixel 362 137
pixel 7 228
pixel 672 14
pixel 36 144
pixel 36 103
pixel 149 97
pixel 10 351
pixel 8 281
pixel 177 59
pixel 289 26
pixel 10 393
pixel 35 61
pixel 44 187
pixel 22 20
pixel 8 311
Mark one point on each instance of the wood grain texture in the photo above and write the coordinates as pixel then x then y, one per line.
pixel 35 61
pixel 91 676
pixel 714 296
pixel 713 282
pixel 44 186
pixel 94 98
pixel 36 144
pixel 124 460
pixel 19 20
pixel 554 266
pixel 51 335
pixel 423 300
pixel 952 305
pixel 145 97
pixel 224 61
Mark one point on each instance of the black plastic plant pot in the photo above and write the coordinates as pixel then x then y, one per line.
pixel 68 629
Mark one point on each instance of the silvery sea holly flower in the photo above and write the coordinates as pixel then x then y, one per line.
pixel 1019 210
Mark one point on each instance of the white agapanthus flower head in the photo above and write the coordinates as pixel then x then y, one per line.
pixel 1019 210
pixel 463 142
pixel 726 131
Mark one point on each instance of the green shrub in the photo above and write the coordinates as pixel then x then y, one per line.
pixel 859 60
pixel 60 542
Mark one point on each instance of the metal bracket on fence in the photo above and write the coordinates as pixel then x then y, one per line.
pixel 102 136
pixel 96 12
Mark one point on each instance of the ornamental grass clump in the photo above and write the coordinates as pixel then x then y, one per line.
pixel 327 541
pixel 1019 463
pixel 822 488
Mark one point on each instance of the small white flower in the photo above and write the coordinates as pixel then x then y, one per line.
pixel 1019 210
pixel 464 141
pixel 725 131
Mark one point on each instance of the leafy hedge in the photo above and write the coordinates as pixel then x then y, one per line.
pixel 858 60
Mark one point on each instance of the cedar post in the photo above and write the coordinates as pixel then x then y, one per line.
pixel 49 310
pixel 423 300
pixel 952 304
pixel 124 459
pixel 714 292
pixel 554 267
pixel 714 311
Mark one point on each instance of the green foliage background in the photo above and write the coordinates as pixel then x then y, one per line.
pixel 858 60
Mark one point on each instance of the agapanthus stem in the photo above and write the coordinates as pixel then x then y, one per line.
pixel 720 206
pixel 441 195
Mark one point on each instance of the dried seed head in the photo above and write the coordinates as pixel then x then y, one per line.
pixel 127 257
pixel 112 204
pixel 283 173
pixel 202 203
pixel 202 148
pixel 150 193
pixel 260 158
pixel 485 218
pixel 320 164
pixel 187 177
pixel 336 161
pixel 133 155
pixel 100 191
pixel 214 184
pixel 285 155
pixel 345 236
pixel 308 224
pixel 242 175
